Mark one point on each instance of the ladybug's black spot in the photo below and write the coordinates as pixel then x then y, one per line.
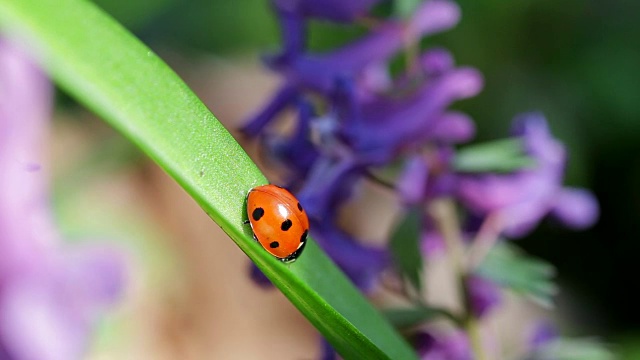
pixel 303 238
pixel 274 244
pixel 257 214
pixel 286 225
pixel 299 207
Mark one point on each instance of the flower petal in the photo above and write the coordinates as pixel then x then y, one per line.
pixel 436 61
pixel 453 127
pixel 412 184
pixel 37 324
pixel 335 10
pixel 484 295
pixel 363 264
pixel 576 208
pixel 284 97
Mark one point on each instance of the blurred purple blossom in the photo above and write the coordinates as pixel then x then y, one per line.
pixel 384 127
pixel 364 126
pixel 483 295
pixel 431 243
pixel 452 345
pixel 576 208
pixel 362 263
pixel 523 198
pixel 298 152
pixel 426 176
pixel 323 72
pixel 327 352
pixel 355 117
pixel 334 10
pixel 259 277
pixel 542 334
pixel 50 294
pixel 412 183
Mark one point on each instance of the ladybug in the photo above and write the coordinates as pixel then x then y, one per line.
pixel 278 221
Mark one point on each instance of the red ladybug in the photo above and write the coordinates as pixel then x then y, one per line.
pixel 278 221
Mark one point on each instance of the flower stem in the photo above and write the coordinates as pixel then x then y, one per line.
pixel 473 330
pixel 485 240
pixel 443 212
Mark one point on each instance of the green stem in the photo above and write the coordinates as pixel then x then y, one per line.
pixel 473 330
pixel 444 213
pixel 485 240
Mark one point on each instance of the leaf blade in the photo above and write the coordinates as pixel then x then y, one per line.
pixel 103 66
pixel 405 247
pixel 505 155
pixel 510 267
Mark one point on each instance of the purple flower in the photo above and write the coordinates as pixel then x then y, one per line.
pixel 576 208
pixel 384 127
pixel 427 176
pixel 483 295
pixel 436 61
pixel 363 125
pixel 431 243
pixel 50 295
pixel 542 334
pixel 442 346
pixel 335 10
pixel 523 198
pixel 327 352
pixel 328 185
pixel 412 183
pixel 259 277
pixel 47 312
pixel 366 119
pixel 322 72
pixel 296 151
pixel 361 263
pixel 452 128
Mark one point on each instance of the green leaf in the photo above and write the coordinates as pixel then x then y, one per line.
pixel 135 14
pixel 104 67
pixel 409 317
pixel 404 8
pixel 405 247
pixel 496 156
pixel 510 267
pixel 627 345
pixel 573 349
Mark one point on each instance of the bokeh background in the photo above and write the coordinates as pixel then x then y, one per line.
pixel 189 294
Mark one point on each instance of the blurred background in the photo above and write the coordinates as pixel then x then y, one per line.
pixel 189 294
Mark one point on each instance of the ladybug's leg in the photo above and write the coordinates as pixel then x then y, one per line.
pixel 246 222
pixel 293 257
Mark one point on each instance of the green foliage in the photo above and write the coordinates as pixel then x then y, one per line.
pixel 496 156
pixel 404 8
pixel 134 14
pixel 627 346
pixel 104 67
pixel 405 247
pixel 409 317
pixel 573 349
pixel 511 268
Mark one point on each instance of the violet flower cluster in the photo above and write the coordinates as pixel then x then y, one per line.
pixel 355 117
pixel 51 294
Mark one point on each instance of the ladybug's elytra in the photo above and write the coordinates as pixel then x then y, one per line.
pixel 278 221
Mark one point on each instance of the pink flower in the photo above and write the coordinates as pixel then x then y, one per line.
pixel 50 294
